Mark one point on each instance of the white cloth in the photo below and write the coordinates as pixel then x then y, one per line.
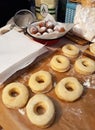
pixel 16 52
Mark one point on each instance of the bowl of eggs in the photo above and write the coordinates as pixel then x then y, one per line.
pixel 47 30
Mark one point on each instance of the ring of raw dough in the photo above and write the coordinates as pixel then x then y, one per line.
pixel 92 48
pixel 70 50
pixel 84 66
pixel 15 95
pixel 68 89
pixel 40 81
pixel 60 63
pixel 41 119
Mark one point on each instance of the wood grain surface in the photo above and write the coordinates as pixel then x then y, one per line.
pixel 88 53
pixel 77 115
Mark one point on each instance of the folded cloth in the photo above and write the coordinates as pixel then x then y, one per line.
pixel 16 52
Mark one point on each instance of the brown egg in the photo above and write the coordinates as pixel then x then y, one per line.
pixel 49 24
pixel 59 28
pixel 42 24
pixel 33 30
pixel 62 29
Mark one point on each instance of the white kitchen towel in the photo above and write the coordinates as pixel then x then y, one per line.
pixel 16 52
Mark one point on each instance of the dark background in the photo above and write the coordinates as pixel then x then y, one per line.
pixel 9 7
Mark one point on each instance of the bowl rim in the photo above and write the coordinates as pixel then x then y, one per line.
pixel 24 10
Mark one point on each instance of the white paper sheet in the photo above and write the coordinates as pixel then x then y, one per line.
pixel 16 52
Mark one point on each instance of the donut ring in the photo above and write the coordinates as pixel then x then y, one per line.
pixel 70 50
pixel 84 66
pixel 60 63
pixel 15 95
pixel 40 81
pixel 69 89
pixel 41 119
pixel 92 48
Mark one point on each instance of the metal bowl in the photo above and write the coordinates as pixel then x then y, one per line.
pixel 23 18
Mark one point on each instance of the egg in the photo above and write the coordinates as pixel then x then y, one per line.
pixel 59 28
pixel 42 24
pixel 49 24
pixel 42 29
pixel 33 30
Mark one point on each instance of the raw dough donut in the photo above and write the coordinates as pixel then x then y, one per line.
pixel 60 63
pixel 40 81
pixel 15 95
pixel 70 50
pixel 40 110
pixel 92 48
pixel 69 89
pixel 84 66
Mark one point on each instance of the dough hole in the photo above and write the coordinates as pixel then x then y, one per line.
pixel 68 86
pixel 85 63
pixel 58 60
pixel 69 48
pixel 40 79
pixel 39 109
pixel 13 93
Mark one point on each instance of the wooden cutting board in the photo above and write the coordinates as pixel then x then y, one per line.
pixel 88 53
pixel 76 39
pixel 78 115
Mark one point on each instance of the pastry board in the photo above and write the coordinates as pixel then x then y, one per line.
pixel 76 39
pixel 88 53
pixel 77 115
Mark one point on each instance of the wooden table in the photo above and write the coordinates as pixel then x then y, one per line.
pixel 78 115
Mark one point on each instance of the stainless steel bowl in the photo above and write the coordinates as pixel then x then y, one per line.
pixel 23 18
